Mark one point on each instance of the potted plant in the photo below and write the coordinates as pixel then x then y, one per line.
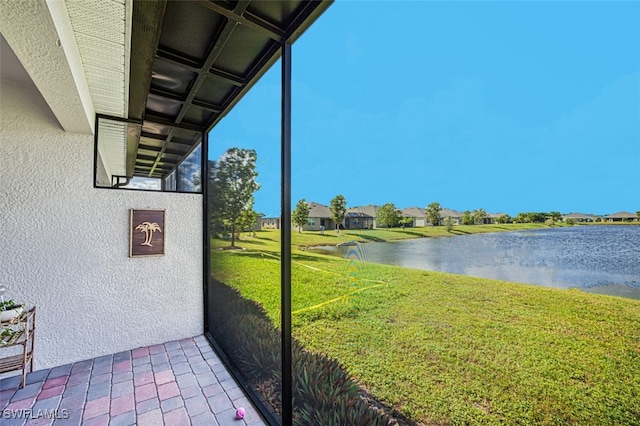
pixel 9 310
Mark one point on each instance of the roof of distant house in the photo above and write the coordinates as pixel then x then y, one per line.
pixel 358 214
pixel 621 215
pixel 371 210
pixel 580 216
pixel 450 213
pixel 319 210
pixel 413 212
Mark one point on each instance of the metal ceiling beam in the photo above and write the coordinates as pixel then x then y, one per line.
pixel 215 51
pixel 178 59
pixel 233 14
pixel 166 94
pixel 143 157
pixel 176 97
pixel 250 20
pixel 142 166
pixel 194 66
pixel 145 36
pixel 153 136
pixel 268 58
pixel 228 77
pixel 169 137
pixel 216 109
pixel 160 154
pixel 142 171
pixel 153 118
pixel 167 151
pixel 162 138
pixel 266 25
pixel 309 12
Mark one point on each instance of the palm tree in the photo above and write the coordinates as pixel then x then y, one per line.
pixel 479 216
pixel 148 229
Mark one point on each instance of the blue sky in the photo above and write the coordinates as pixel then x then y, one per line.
pixel 506 106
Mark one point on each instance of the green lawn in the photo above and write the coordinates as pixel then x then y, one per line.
pixel 449 349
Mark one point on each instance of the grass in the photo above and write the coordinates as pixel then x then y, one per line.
pixel 450 349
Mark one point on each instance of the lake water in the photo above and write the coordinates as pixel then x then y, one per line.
pixel 600 259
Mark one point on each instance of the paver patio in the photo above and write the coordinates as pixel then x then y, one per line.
pixel 176 383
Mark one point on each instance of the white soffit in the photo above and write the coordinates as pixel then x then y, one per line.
pixel 102 30
pixel 77 54
pixel 46 52
pixel 111 146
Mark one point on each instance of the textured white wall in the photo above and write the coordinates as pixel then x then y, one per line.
pixel 64 245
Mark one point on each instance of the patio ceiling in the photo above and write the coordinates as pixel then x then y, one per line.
pixel 174 67
pixel 192 61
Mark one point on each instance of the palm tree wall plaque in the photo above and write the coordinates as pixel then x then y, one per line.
pixel 148 228
pixel 143 225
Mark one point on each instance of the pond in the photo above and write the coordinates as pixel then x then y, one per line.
pixel 599 259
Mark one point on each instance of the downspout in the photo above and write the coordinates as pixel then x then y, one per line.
pixel 119 184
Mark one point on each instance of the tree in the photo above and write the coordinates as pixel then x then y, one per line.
pixel 467 218
pixel 433 211
pixel 520 218
pixel 638 214
pixel 388 215
pixel 232 183
pixel 531 217
pixel 404 221
pixel 300 214
pixel 479 216
pixel 505 218
pixel 539 217
pixel 338 209
pixel 448 223
pixel 555 216
pixel 248 220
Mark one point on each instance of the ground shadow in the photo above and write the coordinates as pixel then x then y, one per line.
pixel 366 237
pixel 413 233
pixel 275 255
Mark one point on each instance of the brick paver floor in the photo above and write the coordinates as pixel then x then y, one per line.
pixel 174 384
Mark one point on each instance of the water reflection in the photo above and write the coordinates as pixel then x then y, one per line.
pixel 602 259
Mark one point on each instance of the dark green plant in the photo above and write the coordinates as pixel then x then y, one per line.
pixel 6 305
pixel 323 392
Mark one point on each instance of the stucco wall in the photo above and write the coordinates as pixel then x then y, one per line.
pixel 64 245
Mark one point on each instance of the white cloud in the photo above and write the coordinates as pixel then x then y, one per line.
pixel 144 183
